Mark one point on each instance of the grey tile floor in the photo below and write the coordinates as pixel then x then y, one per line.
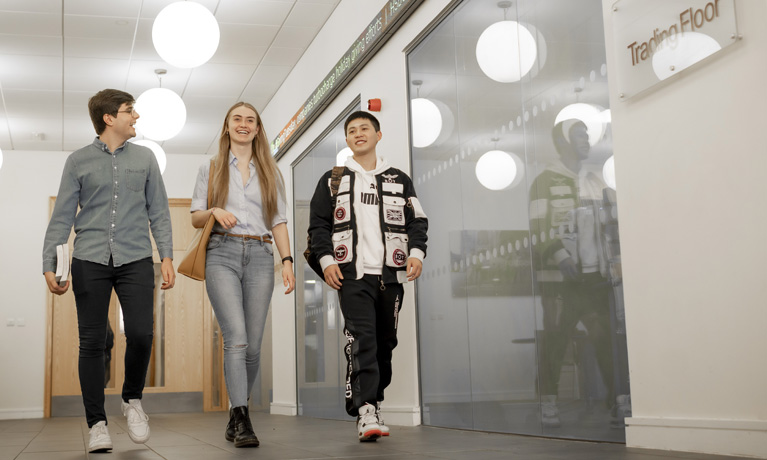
pixel 200 436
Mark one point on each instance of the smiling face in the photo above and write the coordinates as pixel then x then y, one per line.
pixel 361 137
pixel 123 125
pixel 242 125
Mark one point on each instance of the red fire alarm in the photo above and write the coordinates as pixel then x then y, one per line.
pixel 374 105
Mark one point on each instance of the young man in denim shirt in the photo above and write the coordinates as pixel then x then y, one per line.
pixel 121 195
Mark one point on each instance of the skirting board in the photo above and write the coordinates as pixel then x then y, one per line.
pixel 15 414
pixel 721 437
pixel 401 415
pixel 282 409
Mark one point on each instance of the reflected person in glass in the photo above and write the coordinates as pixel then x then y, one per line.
pixel 571 270
pixel 119 189
pixel 248 203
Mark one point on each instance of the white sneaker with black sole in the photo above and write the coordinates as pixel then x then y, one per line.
pixel 99 441
pixel 384 428
pixel 138 421
pixel 367 424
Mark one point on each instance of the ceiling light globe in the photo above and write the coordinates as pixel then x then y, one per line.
pixel 590 114
pixel 185 34
pixel 162 114
pixel 343 155
pixel 159 153
pixel 427 122
pixel 496 170
pixel 682 51
pixel 506 51
pixel 608 172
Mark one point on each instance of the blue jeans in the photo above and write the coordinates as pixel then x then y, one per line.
pixel 240 279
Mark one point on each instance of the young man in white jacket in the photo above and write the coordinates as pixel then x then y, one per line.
pixel 369 238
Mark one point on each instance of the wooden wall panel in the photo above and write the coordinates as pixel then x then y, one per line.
pixel 184 324
pixel 184 329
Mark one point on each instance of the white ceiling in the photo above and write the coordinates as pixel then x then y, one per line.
pixel 55 54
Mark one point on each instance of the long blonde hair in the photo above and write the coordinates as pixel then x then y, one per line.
pixel 269 176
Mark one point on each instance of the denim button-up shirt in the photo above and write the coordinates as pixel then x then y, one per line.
pixel 243 201
pixel 121 195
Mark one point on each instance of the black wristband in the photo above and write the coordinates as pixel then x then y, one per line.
pixel 290 258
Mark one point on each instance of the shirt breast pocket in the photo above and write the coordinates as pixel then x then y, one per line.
pixel 136 179
pixel 394 210
pixel 342 212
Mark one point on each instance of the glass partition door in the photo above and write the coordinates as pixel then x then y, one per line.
pixel 319 323
pixel 520 305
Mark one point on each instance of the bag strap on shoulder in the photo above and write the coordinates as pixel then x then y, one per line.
pixel 335 181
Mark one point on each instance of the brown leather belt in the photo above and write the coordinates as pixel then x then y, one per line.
pixel 265 239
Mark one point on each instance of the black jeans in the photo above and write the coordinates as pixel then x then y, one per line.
pixel 92 285
pixel 370 317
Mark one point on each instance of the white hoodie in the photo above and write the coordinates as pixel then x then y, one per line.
pixel 366 210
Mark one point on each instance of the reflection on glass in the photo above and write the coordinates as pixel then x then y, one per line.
pixel 513 345
pixel 571 269
pixel 680 51
pixel 319 337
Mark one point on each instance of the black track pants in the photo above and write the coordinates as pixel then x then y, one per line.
pixel 370 316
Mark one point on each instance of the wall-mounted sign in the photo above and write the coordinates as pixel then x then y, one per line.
pixel 391 16
pixel 656 39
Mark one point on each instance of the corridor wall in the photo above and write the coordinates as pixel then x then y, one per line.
pixel 690 160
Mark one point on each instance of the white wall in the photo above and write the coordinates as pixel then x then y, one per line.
pixel 690 161
pixel 27 180
pixel 390 85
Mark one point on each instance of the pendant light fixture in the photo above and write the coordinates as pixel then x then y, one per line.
pixel 427 119
pixel 499 170
pixel 185 34
pixel 159 153
pixel 162 113
pixel 343 155
pixel 590 114
pixel 506 50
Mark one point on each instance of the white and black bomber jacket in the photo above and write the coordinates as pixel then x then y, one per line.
pixel 334 233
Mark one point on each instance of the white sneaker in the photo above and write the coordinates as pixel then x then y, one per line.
pixel 138 421
pixel 550 412
pixel 100 441
pixel 367 424
pixel 379 418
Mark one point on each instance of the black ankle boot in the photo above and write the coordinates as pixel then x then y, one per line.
pixel 243 429
pixel 229 434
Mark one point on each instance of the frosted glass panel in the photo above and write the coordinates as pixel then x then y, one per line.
pixel 520 307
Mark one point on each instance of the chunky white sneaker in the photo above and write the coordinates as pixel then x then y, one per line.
pixel 138 421
pixel 100 441
pixel 367 424
pixel 550 412
pixel 379 418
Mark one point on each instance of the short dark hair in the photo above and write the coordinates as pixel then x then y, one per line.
pixel 106 101
pixel 364 115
